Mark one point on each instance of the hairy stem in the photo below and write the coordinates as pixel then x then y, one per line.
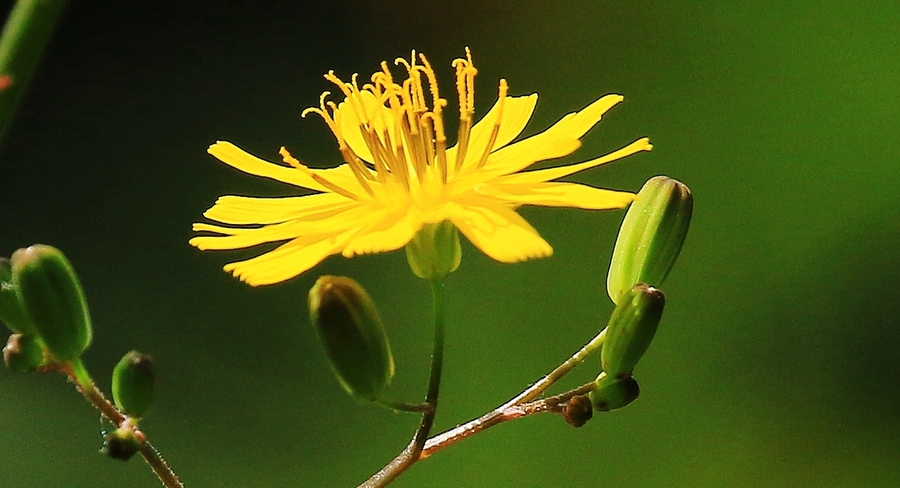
pixel 79 375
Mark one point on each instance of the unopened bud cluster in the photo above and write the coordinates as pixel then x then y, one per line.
pixel 650 239
pixel 42 302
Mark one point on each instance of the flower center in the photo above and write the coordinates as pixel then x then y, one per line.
pixel 394 140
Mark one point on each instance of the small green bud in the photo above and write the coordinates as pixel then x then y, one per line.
pixel 614 393
pixel 353 336
pixel 11 312
pixel 134 384
pixel 651 235
pixel 52 298
pixel 121 444
pixel 23 353
pixel 631 328
pixel 578 411
pixel 434 251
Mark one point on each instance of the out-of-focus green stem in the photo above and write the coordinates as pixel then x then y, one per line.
pixel 27 31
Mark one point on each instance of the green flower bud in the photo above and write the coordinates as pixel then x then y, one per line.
pixel 52 298
pixel 651 235
pixel 434 251
pixel 134 384
pixel 11 312
pixel 614 393
pixel 631 328
pixel 578 411
pixel 121 444
pixel 353 336
pixel 23 353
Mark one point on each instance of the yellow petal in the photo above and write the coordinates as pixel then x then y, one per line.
pixel 288 260
pixel 390 233
pixel 499 232
pixel 517 112
pixel 559 195
pixel 236 157
pixel 241 237
pixel 541 175
pixel 561 139
pixel 238 210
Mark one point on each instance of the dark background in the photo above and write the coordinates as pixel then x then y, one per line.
pixel 777 361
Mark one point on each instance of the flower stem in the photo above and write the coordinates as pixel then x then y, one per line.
pixel 521 405
pixel 413 450
pixel 79 375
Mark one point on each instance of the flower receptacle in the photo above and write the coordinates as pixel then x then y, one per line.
pixel 612 393
pixel 434 252
pixel 122 443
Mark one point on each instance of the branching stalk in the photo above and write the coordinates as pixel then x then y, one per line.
pixel 78 374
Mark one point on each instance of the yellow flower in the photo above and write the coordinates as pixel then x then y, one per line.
pixel 398 175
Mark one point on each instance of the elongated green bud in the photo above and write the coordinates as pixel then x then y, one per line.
pixel 353 336
pixel 23 353
pixel 134 384
pixel 614 393
pixel 631 328
pixel 434 251
pixel 651 235
pixel 52 298
pixel 11 312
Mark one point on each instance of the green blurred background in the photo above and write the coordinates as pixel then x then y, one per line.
pixel 777 361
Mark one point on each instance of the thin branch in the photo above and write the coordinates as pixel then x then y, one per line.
pixel 85 385
pixel 515 407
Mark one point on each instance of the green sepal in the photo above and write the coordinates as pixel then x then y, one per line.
pixel 631 328
pixel 353 336
pixel 11 312
pixel 614 393
pixel 434 252
pixel 134 384
pixel 23 353
pixel 53 300
pixel 651 236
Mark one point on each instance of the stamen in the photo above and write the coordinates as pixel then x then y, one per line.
pixel 465 90
pixel 432 83
pixel 360 171
pixel 330 76
pixel 440 142
pixel 501 97
pixel 317 178
pixel 287 158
